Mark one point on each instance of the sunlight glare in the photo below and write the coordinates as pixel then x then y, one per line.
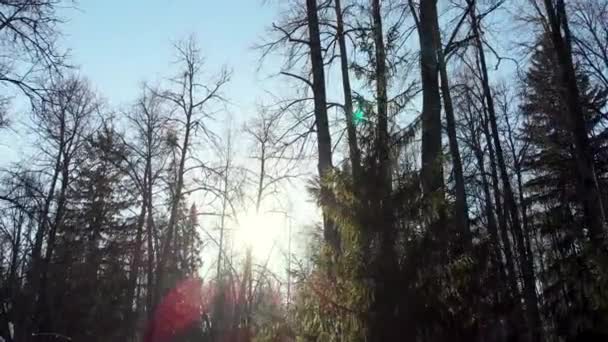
pixel 262 232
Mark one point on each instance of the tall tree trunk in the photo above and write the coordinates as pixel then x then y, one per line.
pixel 493 227
pixel 354 153
pixel 165 258
pixel 147 192
pixel 382 104
pixel 383 326
pixel 587 187
pixel 13 279
pixel 515 315
pixel 502 221
pixel 432 170
pixel 150 246
pixel 16 247
pixel 220 253
pixel 520 191
pixel 461 207
pixel 130 312
pixel 33 286
pixel 93 257
pixel 260 190
pixel 325 166
pixel 45 305
pixel 527 267
pixel 489 211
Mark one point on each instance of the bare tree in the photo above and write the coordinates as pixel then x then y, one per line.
pixel 276 161
pixel 590 37
pixel 62 123
pixel 194 104
pixel 471 105
pixel 144 163
pixel 473 123
pixel 28 34
pixel 225 195
pixel 526 261
pixel 20 201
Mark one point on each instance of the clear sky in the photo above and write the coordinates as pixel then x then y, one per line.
pixel 120 43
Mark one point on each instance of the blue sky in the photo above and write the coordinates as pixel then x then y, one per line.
pixel 119 43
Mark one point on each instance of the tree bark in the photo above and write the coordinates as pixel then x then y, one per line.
pixel 220 252
pixel 587 187
pixel 382 104
pixel 34 278
pixel 461 207
pixel 165 256
pixel 45 306
pixel 325 166
pixel 488 207
pixel 526 263
pixel 16 246
pixel 355 154
pixel 135 265
pixel 383 325
pixel 165 259
pixel 260 190
pixel 502 222
pixel 150 246
pixel 516 315
pixel 432 170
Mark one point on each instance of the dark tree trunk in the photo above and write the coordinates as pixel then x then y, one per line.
pixel 16 246
pixel 45 305
pixel 526 262
pixel 147 193
pixel 587 187
pixel 461 208
pixel 260 190
pixel 432 170
pixel 516 314
pixel 355 154
pixel 150 248
pixel 220 252
pixel 489 211
pixel 502 221
pixel 135 265
pixel 166 258
pixel 382 103
pixel 322 124
pixel 383 324
pixel 34 278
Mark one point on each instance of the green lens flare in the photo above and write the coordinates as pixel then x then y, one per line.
pixel 358 116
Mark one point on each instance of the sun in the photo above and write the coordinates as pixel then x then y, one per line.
pixel 265 233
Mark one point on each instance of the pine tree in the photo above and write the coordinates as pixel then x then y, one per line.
pixel 88 269
pixel 570 289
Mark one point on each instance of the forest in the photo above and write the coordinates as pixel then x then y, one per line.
pixel 455 153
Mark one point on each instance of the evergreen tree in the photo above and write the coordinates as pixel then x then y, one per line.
pixel 88 269
pixel 574 297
